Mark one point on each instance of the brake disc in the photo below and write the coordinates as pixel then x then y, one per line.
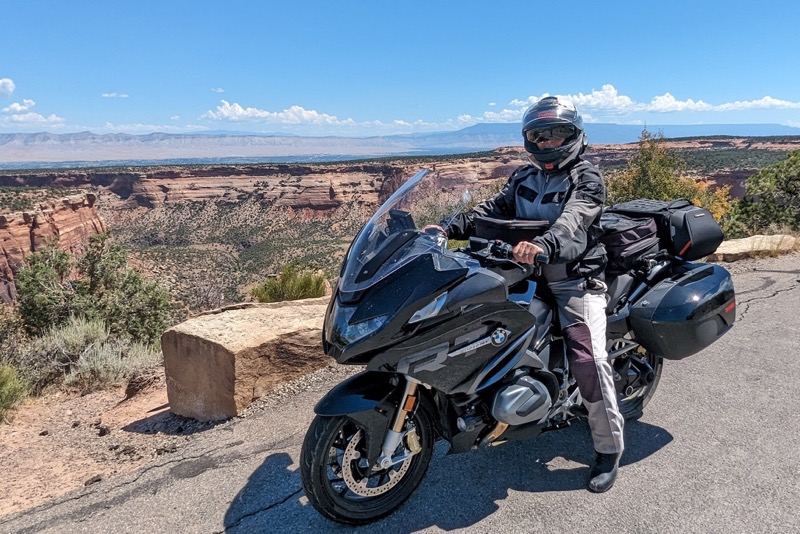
pixel 359 486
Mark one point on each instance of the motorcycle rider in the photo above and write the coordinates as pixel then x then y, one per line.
pixel 568 191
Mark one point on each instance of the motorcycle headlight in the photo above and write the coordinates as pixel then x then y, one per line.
pixel 343 333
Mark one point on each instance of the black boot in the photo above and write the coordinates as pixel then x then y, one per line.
pixel 604 472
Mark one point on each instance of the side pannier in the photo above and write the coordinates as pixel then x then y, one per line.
pixel 627 239
pixel 684 229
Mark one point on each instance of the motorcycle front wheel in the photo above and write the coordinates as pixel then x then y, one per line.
pixel 339 483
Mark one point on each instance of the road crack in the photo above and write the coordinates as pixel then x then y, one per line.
pixel 266 508
pixel 747 303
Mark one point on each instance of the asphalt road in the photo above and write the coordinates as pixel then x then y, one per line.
pixel 718 450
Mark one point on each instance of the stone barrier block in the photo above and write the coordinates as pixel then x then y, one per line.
pixel 219 362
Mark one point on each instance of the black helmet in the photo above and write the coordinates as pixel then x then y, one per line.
pixel 554 117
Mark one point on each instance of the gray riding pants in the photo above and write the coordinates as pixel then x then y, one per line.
pixel 582 312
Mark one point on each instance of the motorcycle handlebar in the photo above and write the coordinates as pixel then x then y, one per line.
pixel 505 251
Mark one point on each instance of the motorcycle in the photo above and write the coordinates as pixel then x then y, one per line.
pixel 463 345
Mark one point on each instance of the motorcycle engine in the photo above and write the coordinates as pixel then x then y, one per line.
pixel 523 400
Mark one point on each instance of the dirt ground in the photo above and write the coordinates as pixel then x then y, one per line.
pixel 59 443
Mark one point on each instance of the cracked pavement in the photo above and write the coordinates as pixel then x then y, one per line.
pixel 718 450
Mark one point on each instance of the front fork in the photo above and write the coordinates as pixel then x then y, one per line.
pixel 395 434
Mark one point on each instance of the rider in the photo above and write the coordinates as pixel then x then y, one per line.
pixel 568 191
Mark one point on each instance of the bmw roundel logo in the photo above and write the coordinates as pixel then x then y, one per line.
pixel 499 336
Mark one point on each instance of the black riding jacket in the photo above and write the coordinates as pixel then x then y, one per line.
pixel 571 199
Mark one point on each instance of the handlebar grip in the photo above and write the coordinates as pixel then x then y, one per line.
pixel 505 251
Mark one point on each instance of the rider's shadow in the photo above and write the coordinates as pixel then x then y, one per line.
pixel 458 491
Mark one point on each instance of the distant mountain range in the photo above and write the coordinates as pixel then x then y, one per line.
pixel 85 148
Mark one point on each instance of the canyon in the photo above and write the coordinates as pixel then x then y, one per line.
pixel 222 220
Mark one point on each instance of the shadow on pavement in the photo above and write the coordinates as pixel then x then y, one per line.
pixel 458 491
pixel 169 423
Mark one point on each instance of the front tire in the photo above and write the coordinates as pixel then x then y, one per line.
pixel 337 481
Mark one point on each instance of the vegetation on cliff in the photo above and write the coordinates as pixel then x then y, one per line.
pixel 86 322
pixel 772 202
pixel 291 284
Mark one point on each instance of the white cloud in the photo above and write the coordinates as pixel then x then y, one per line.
pixel 492 104
pixel 175 118
pixel 33 119
pixel 21 115
pixel 6 86
pixel 293 115
pixel 16 107
pixel 766 102
pixel 114 95
pixel 218 90
pixel 608 102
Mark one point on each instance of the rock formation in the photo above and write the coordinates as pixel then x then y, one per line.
pixel 67 222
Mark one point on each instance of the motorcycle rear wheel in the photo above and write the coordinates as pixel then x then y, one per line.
pixel 636 378
pixel 338 483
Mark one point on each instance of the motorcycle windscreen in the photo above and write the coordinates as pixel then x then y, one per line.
pixel 391 238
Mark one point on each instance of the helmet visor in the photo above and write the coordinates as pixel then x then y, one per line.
pixel 560 132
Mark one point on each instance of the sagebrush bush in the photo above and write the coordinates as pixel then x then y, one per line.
pixel 291 285
pixel 109 364
pixel 82 354
pixel 47 359
pixel 12 390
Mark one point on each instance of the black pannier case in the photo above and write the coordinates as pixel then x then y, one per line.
pixel 684 229
pixel 509 230
pixel 686 312
pixel 626 239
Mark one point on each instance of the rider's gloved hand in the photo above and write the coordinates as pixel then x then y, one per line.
pixel 525 252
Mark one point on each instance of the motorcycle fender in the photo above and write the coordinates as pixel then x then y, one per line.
pixel 363 398
pixel 359 393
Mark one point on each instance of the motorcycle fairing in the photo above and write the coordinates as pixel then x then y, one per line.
pixel 434 357
pixel 388 305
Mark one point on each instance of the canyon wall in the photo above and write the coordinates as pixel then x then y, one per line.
pixel 67 222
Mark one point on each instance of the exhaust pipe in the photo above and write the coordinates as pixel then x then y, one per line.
pixel 495 433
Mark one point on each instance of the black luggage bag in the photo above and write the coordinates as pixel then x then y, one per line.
pixel 627 239
pixel 683 229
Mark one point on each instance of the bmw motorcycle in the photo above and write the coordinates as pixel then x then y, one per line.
pixel 462 344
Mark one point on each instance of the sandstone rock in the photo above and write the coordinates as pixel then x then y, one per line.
pixel 68 222
pixel 216 364
pixel 737 249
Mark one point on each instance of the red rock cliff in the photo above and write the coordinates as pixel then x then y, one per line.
pixel 68 222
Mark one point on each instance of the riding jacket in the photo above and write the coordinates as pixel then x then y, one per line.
pixel 570 199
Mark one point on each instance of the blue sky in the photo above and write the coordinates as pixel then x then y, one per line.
pixel 364 68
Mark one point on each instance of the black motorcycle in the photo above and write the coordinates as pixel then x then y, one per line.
pixel 462 345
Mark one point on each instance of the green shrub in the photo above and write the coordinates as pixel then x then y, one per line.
pixel 82 354
pixel 772 201
pixel 44 295
pixel 12 390
pixel 47 359
pixel 109 364
pixel 103 287
pixel 291 285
